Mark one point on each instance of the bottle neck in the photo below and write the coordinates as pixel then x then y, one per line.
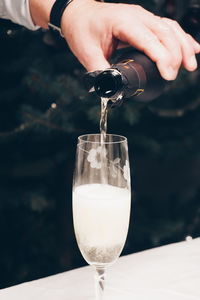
pixel 109 83
pixel 126 78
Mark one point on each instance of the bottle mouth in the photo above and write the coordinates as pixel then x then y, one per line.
pixel 108 83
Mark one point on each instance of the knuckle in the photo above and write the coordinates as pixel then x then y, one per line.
pixel 189 36
pixel 164 26
pixel 138 7
pixel 172 23
pixel 167 20
pixel 175 23
pixel 149 39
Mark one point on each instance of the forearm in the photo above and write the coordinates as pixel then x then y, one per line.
pixel 18 12
pixel 40 11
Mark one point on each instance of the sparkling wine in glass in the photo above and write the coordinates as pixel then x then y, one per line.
pixel 101 201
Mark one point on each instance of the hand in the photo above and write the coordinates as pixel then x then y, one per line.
pixel 94 29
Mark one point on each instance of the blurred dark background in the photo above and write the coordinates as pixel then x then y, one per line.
pixel 43 108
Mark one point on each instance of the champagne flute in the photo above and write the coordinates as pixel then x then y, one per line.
pixel 101 201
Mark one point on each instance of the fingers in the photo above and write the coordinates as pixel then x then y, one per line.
pixel 188 45
pixel 162 39
pixel 81 29
pixel 169 40
pixel 196 45
pixel 145 40
pixel 93 37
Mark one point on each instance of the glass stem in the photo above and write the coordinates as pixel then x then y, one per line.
pixel 99 283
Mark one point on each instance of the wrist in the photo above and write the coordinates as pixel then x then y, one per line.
pixel 74 10
pixel 41 10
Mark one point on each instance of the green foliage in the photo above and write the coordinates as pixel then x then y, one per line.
pixel 44 107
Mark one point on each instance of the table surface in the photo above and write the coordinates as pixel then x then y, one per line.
pixel 170 272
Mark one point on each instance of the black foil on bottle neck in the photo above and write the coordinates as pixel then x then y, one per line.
pixel 108 84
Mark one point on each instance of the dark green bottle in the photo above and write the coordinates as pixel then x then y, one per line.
pixel 134 75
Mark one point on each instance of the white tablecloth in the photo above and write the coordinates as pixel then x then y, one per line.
pixel 170 272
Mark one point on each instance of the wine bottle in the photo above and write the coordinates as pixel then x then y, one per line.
pixel 134 75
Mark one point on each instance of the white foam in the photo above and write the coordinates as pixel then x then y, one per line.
pixel 101 214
